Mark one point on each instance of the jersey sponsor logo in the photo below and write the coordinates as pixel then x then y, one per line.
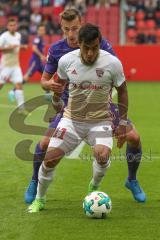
pixel 85 85
pixel 99 72
pixel 74 72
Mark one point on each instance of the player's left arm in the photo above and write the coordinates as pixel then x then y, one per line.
pixel 120 85
pixel 60 78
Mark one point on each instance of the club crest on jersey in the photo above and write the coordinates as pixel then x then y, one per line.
pixel 99 72
pixel 74 72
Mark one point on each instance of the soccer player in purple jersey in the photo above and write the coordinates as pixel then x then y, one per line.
pixel 70 24
pixel 37 60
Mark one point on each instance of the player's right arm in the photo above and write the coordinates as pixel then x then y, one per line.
pixel 40 55
pixel 48 82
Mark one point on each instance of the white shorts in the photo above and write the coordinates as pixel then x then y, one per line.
pixel 69 134
pixel 14 74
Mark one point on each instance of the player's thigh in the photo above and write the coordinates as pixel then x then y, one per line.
pixel 100 134
pixel 65 136
pixel 44 142
pixel 49 133
pixel 5 75
pixel 16 76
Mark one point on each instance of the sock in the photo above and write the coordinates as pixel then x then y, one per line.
pixel 45 177
pixel 37 160
pixel 99 172
pixel 133 156
pixel 19 97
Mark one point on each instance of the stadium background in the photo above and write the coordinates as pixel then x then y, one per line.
pixel 133 29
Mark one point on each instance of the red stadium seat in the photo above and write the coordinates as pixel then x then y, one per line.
pixel 3 21
pixel 157 14
pixel 141 25
pixel 91 15
pixel 131 36
pixel 158 32
pixel 55 38
pixel 47 39
pixel 150 24
pixel 47 11
pixel 140 15
pixel 158 35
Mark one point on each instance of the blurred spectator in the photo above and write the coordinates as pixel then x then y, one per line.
pixel 141 38
pixel 131 23
pixel 34 4
pixel 140 5
pixel 45 3
pixel 36 17
pixel 15 8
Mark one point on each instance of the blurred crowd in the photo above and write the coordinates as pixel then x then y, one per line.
pixel 143 21
pixel 31 13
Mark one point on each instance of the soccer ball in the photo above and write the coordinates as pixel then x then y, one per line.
pixel 97 205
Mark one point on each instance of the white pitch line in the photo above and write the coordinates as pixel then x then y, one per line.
pixel 9 106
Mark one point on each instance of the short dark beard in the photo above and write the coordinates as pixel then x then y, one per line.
pixel 86 63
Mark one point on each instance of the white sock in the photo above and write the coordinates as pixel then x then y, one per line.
pixel 45 177
pixel 19 97
pixel 99 172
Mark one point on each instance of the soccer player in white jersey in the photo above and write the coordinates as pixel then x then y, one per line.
pixel 10 43
pixel 91 73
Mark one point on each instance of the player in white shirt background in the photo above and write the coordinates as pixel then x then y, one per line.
pixel 10 44
pixel 91 73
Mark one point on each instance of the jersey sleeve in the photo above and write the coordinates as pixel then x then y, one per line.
pixel 61 71
pixel 118 76
pixel 36 41
pixel 52 63
pixel 106 46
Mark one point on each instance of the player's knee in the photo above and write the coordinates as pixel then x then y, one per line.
pixel 44 143
pixel 102 153
pixel 133 138
pixel 53 156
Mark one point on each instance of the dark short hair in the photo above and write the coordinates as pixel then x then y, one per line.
pixel 12 19
pixel 88 33
pixel 70 14
pixel 41 25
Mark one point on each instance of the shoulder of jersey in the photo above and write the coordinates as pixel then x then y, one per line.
pixel 57 44
pixel 6 33
pixel 107 54
pixel 71 55
pixel 36 40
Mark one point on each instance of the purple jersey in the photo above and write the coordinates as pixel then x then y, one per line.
pixel 35 63
pixel 38 41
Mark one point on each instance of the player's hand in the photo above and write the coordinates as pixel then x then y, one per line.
pixel 58 106
pixel 55 87
pixel 13 46
pixel 120 134
pixel 43 58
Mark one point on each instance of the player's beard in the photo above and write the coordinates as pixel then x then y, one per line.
pixel 89 63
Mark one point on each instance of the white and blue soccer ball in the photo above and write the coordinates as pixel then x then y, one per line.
pixel 97 205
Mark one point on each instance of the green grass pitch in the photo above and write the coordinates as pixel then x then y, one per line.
pixel 64 218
